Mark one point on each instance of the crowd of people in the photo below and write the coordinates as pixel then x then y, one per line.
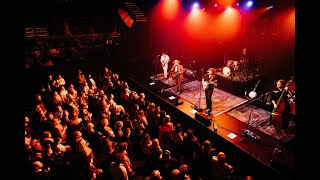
pixel 97 127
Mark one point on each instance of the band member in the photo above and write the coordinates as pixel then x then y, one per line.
pixel 176 72
pixel 244 57
pixel 281 104
pixel 244 60
pixel 209 82
pixel 164 59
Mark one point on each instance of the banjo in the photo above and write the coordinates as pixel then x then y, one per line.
pixel 253 93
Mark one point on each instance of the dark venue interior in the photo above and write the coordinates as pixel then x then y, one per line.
pixel 97 104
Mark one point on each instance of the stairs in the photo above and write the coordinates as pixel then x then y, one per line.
pixel 135 12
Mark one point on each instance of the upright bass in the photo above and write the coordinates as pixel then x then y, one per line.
pixel 280 107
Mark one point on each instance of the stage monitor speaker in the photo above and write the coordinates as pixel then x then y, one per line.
pixel 203 118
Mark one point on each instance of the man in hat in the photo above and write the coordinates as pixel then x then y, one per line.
pixel 209 82
pixel 176 72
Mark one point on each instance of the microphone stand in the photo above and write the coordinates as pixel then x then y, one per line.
pixel 168 77
pixel 244 137
pixel 154 67
pixel 169 74
pixel 198 108
pixel 245 132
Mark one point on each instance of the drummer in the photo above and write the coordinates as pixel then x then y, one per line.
pixel 244 57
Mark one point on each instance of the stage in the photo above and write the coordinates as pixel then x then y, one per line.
pixel 232 114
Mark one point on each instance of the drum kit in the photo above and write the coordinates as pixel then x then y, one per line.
pixel 190 73
pixel 232 67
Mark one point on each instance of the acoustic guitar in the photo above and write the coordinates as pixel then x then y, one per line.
pixel 276 112
pixel 175 75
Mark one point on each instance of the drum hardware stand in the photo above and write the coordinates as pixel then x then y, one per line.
pixel 244 71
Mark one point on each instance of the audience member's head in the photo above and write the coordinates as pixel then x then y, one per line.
pixel 37 166
pixel 155 175
pixel 189 133
pixel 248 178
pixel 184 169
pixel 123 146
pixel 206 145
pixel 178 127
pixel 221 157
pixel 166 155
pixel 175 174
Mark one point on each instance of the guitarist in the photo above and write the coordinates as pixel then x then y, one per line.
pixel 176 72
pixel 209 82
pixel 164 59
pixel 281 105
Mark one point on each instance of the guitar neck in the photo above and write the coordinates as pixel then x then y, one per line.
pixel 256 86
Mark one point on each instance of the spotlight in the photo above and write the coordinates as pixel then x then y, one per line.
pixel 249 3
pixel 195 5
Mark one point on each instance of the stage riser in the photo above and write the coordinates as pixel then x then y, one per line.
pixel 233 87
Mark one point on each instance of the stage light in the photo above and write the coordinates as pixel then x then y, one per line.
pixel 270 7
pixel 249 4
pixel 195 5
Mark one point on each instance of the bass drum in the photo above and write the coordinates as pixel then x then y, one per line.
pixel 227 70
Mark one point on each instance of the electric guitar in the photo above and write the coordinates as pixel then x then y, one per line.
pixel 205 84
pixel 164 61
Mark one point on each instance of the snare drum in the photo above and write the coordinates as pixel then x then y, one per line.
pixel 235 63
pixel 229 63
